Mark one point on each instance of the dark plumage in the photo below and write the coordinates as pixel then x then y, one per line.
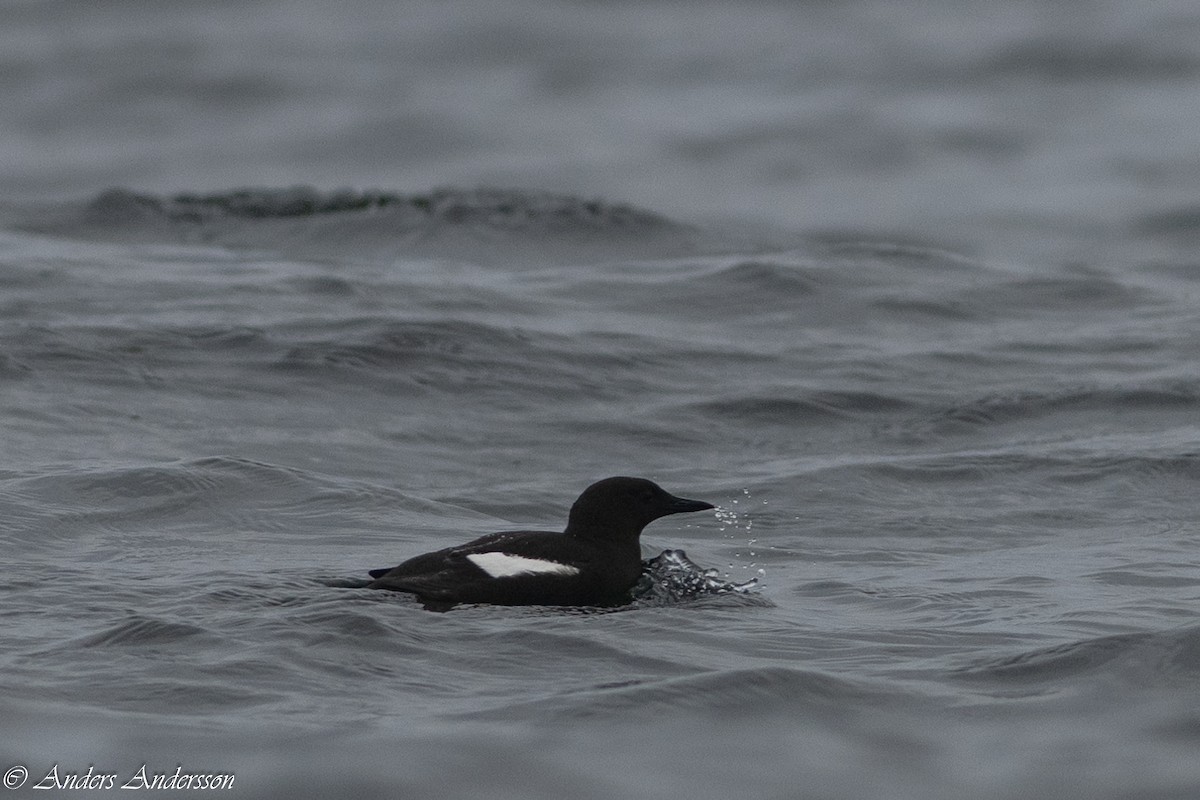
pixel 594 562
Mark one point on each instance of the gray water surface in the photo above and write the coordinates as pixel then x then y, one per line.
pixel 908 290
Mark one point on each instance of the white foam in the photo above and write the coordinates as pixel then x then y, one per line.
pixel 503 565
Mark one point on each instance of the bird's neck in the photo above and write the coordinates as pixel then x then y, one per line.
pixel 604 535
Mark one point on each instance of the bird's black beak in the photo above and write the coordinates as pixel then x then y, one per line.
pixel 679 505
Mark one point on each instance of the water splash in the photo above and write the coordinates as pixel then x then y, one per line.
pixel 729 515
pixel 736 521
pixel 671 577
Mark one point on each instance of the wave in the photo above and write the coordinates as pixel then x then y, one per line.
pixel 1036 466
pixel 1143 659
pixel 1182 221
pixel 483 225
pixel 739 692
pixel 1001 408
pixel 120 355
pixel 140 630
pixel 205 497
pixel 419 354
pixel 805 406
pixel 492 208
pixel 452 355
pixel 1060 58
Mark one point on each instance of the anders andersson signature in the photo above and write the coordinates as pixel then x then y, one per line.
pixel 141 778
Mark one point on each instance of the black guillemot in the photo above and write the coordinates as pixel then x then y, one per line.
pixel 594 562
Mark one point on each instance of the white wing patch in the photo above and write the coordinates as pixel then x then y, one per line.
pixel 503 565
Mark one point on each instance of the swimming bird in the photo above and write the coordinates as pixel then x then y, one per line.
pixel 594 562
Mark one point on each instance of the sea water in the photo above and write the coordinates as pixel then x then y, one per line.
pixel 909 291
